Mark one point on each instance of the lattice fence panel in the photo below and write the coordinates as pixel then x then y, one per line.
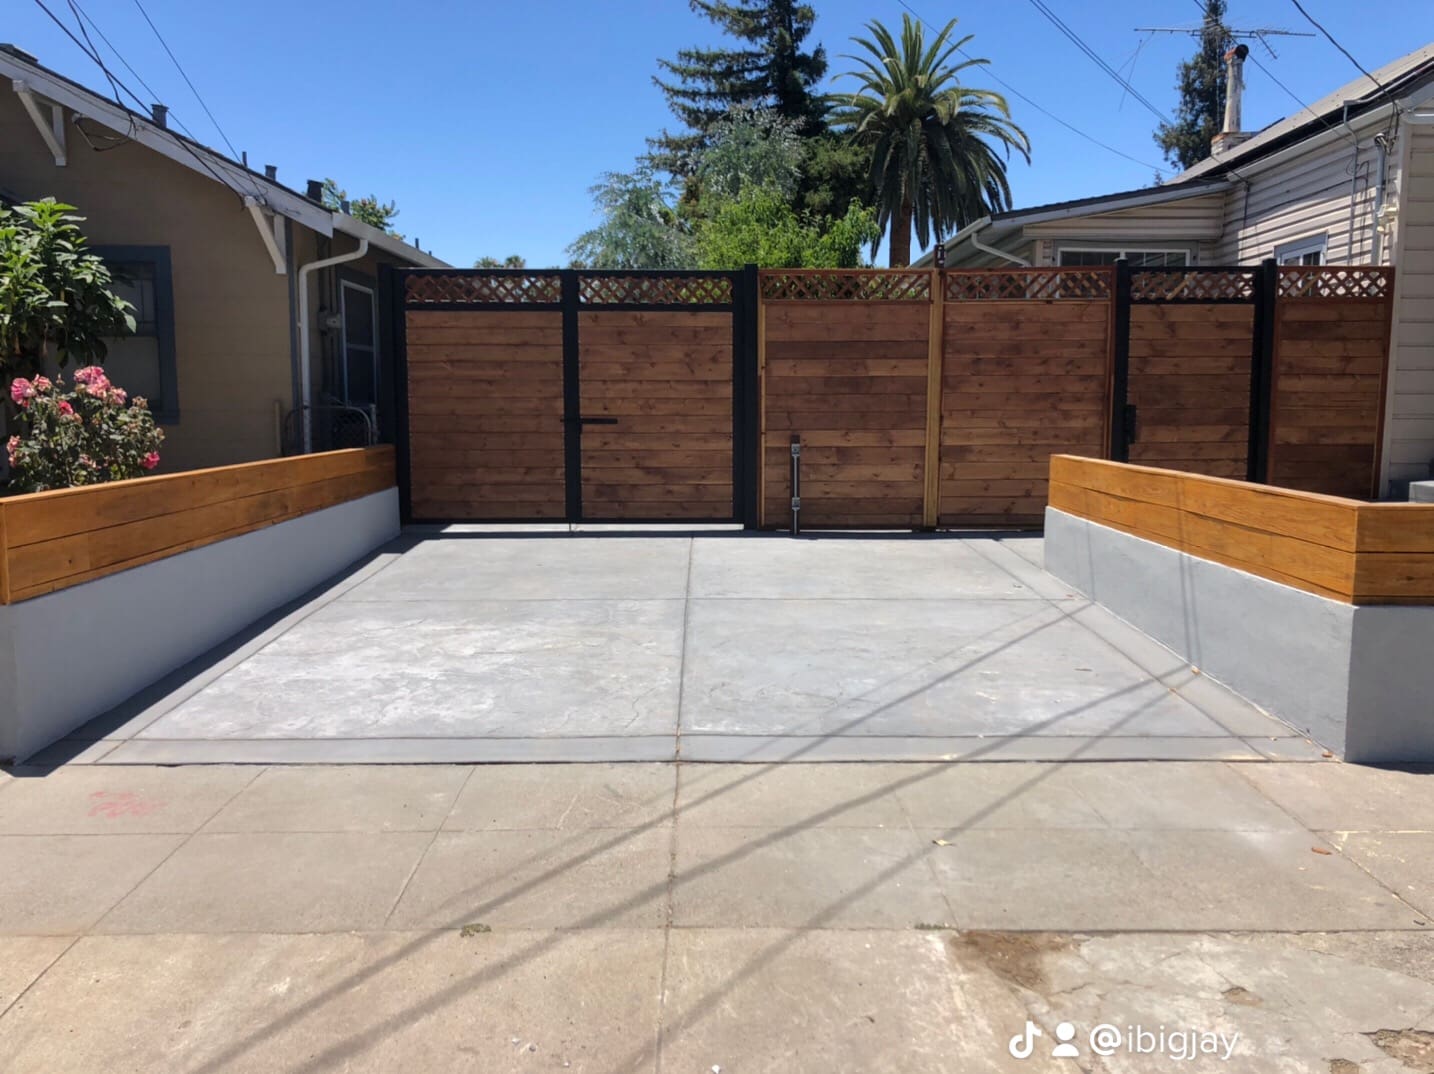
pixel 1193 285
pixel 853 286
pixel 1325 281
pixel 483 289
pixel 1031 284
pixel 644 290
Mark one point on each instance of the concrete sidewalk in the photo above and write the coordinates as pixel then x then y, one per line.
pixel 472 646
pixel 698 918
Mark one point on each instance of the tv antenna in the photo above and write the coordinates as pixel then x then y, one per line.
pixel 1261 35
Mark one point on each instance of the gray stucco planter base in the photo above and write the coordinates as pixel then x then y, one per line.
pixel 69 656
pixel 1358 679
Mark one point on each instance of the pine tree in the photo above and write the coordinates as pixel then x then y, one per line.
pixel 1201 85
pixel 772 71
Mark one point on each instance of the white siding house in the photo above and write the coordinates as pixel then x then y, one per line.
pixel 1349 180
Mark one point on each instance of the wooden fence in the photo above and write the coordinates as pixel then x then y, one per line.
pixel 1345 549
pixel 53 540
pixel 1263 373
pixel 916 398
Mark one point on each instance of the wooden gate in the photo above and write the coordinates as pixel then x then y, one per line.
pixel 567 395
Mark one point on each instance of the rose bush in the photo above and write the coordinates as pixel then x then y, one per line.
pixel 91 434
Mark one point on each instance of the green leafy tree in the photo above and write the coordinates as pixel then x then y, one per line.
pixel 640 228
pixel 770 70
pixel 938 148
pixel 56 301
pixel 835 172
pixel 511 261
pixel 1201 85
pixel 368 209
pixel 761 227
pixel 751 147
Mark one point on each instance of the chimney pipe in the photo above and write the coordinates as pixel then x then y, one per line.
pixel 271 171
pixel 160 114
pixel 1231 135
pixel 316 190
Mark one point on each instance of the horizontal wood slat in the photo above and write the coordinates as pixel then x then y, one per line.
pixel 1345 549
pixel 53 540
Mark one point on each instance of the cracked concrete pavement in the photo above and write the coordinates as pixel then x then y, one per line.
pixel 690 917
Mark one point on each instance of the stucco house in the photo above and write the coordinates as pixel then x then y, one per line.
pixel 1349 180
pixel 254 301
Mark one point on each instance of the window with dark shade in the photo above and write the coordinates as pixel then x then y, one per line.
pixel 144 363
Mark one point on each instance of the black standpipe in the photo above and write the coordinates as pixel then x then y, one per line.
pixel 796 483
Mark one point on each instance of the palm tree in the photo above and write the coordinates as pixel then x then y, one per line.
pixel 939 148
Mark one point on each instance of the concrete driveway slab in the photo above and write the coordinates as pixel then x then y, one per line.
pixel 809 796
pixel 560 567
pixel 722 1008
pixel 518 797
pixel 1349 798
pixel 22 960
pixel 1402 861
pixel 394 798
pixel 1165 880
pixel 62 884
pixel 273 882
pixel 91 800
pixel 559 646
pixel 840 567
pixel 799 877
pixel 540 879
pixel 916 667
pixel 451 669
pixel 506 1003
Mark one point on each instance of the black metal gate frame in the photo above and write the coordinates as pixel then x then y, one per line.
pixel 745 406
pixel 1262 295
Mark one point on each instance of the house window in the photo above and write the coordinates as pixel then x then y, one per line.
pixel 359 367
pixel 1137 258
pixel 144 363
pixel 1303 251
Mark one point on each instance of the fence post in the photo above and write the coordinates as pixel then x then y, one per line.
pixel 1262 370
pixel 746 406
pixel 572 399
pixel 931 493
pixel 393 389
pixel 759 327
pixel 1120 364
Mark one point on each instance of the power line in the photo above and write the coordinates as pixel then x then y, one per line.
pixel 154 96
pixel 115 80
pixel 234 152
pixel 1044 111
pixel 1336 44
pixel 1097 59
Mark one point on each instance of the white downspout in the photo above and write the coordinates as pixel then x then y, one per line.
pixel 304 271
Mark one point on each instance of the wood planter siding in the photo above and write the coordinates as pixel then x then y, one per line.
pixel 1348 550
pixel 53 540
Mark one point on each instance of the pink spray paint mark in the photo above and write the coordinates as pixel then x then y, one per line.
pixel 116 804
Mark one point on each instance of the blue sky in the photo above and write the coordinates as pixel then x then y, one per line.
pixel 488 121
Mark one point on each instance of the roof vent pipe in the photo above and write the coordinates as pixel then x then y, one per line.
pixel 316 190
pixel 160 114
pixel 271 171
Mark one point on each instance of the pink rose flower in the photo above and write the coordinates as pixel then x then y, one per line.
pixel 42 384
pixel 93 378
pixel 21 391
pixel 118 396
pixel 150 461
pixel 65 408
pixel 12 446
